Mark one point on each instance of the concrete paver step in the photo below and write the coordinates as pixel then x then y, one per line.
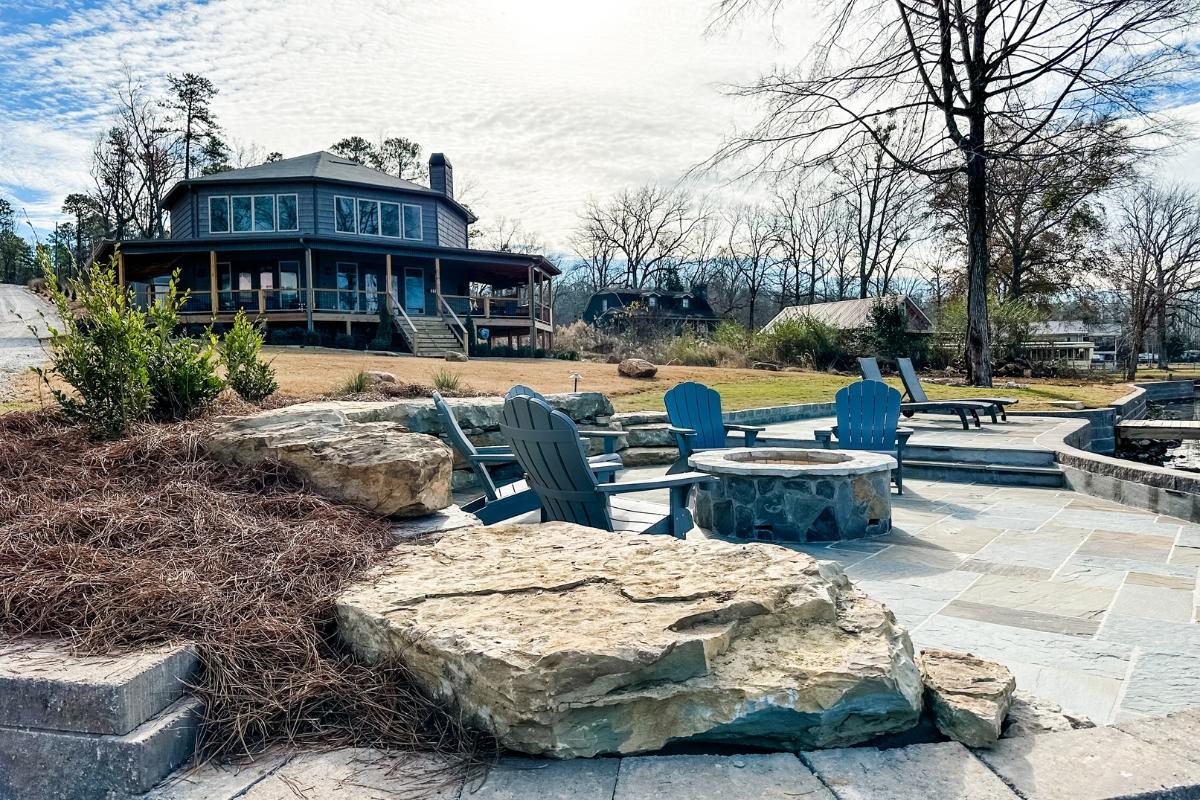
pixel 62 765
pixel 44 685
pixel 941 771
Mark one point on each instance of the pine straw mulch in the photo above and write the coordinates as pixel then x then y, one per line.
pixel 141 541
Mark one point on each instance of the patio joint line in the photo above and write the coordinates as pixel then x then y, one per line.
pixel 1075 552
pixel 1119 700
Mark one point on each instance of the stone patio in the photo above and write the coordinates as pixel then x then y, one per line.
pixel 938 430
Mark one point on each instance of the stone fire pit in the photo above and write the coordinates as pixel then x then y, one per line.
pixel 794 495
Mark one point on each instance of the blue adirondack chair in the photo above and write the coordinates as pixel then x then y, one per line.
pixel 608 438
pixel 868 413
pixel 546 444
pixel 960 408
pixel 504 501
pixel 696 422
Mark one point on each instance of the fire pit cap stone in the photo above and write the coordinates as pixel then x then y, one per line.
pixel 789 462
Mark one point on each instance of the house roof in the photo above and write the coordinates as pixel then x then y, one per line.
pixel 1059 327
pixel 319 166
pixel 851 315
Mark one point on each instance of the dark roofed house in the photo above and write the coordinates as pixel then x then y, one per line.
pixel 324 243
pixel 613 305
pixel 854 315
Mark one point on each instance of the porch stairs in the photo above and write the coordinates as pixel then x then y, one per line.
pixel 432 337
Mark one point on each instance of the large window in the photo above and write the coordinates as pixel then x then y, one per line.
pixel 377 218
pixel 218 215
pixel 259 213
pixel 412 222
pixel 368 217
pixel 289 218
pixel 343 215
pixel 243 214
pixel 264 213
pixel 389 219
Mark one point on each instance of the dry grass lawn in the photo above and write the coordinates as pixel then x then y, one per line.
pixel 311 372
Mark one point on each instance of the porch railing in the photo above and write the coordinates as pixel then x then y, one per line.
pixel 457 328
pixel 396 306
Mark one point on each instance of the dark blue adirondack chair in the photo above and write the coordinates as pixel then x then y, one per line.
pixel 546 443
pixel 868 413
pixel 608 438
pixel 960 408
pixel 696 422
pixel 505 501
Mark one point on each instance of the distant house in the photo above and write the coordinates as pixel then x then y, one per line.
pixel 854 315
pixel 612 306
pixel 322 243
pixel 1073 341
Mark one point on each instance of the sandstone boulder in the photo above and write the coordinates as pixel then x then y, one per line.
pixel 454 355
pixel 378 376
pixel 569 641
pixel 637 368
pixel 377 466
pixel 969 696
pixel 1029 716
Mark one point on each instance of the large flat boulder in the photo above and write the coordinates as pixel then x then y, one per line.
pixel 377 466
pixel 568 641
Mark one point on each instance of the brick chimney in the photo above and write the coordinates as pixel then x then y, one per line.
pixel 441 174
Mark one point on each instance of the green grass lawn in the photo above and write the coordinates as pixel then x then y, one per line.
pixel 820 387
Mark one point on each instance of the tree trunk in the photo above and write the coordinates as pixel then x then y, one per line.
pixel 1161 322
pixel 978 357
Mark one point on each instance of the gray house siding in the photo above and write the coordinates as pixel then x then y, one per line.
pixel 452 228
pixel 181 218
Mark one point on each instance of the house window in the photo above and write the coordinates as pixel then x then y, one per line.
pixel 218 215
pixel 289 284
pixel 368 217
pixel 412 222
pixel 685 302
pixel 289 219
pixel 347 284
pixel 389 219
pixel 264 213
pixel 243 214
pixel 343 215
pixel 652 301
pixel 604 304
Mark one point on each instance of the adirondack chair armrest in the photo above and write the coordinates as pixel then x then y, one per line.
pixel 824 436
pixel 494 458
pixel 730 426
pixel 499 449
pixel 665 482
pixel 681 431
pixel 902 436
pixel 608 437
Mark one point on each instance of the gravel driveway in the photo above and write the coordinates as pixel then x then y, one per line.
pixel 20 348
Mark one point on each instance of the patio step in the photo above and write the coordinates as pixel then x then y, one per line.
pixel 997 474
pixel 93 726
pixel 1003 456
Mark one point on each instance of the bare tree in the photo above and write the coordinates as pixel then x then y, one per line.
pixel 648 229
pixel 750 250
pixel 509 235
pixel 1156 259
pixel 805 219
pixel 953 68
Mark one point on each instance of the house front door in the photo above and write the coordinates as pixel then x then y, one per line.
pixel 414 291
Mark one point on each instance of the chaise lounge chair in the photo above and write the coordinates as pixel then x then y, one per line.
pixel 916 393
pixel 960 408
pixel 547 446
pixel 868 413
pixel 500 502
pixel 696 422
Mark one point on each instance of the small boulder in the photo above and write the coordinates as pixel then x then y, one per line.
pixel 377 466
pixel 454 355
pixel 378 376
pixel 767 365
pixel 637 368
pixel 1029 716
pixel 969 696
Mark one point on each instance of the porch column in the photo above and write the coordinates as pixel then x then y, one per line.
pixel 437 284
pixel 120 268
pixel 532 314
pixel 213 294
pixel 550 288
pixel 308 280
pixel 387 282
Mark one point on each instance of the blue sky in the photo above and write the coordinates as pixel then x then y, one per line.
pixel 538 103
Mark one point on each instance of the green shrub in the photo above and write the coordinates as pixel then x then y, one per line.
pixel 1009 323
pixel 311 339
pixel 102 353
pixel 733 335
pixel 183 371
pixel 888 333
pixel 802 341
pixel 343 341
pixel 567 355
pixel 690 350
pixel 446 381
pixel 246 374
